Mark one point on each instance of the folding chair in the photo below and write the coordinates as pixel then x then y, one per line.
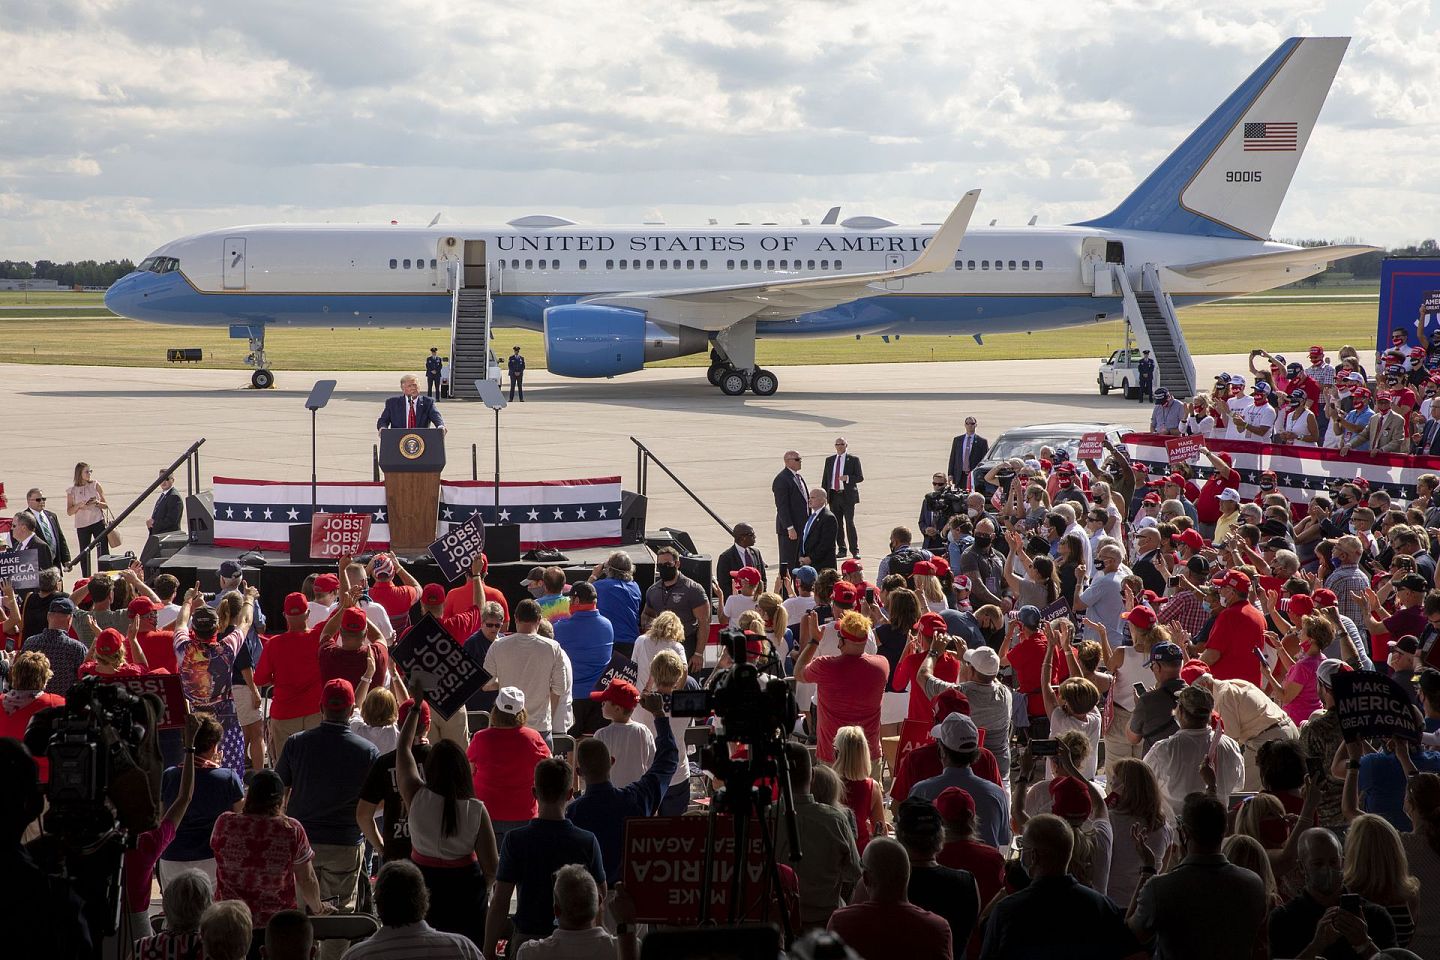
pixel 697 736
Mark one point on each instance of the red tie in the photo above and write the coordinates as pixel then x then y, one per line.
pixel 410 421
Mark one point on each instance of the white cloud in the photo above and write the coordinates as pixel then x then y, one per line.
pixel 129 123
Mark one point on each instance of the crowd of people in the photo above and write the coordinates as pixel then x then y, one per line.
pixel 1085 712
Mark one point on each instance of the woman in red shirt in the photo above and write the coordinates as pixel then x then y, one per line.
pixel 264 857
pixel 859 792
pixel 503 756
pixel 26 697
pixel 1024 649
pixel 107 657
pixel 946 667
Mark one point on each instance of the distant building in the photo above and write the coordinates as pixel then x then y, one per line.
pixel 31 285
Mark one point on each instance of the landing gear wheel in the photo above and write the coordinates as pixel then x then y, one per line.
pixel 763 383
pixel 262 379
pixel 717 370
pixel 733 383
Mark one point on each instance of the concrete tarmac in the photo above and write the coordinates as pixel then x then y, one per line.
pixel 898 418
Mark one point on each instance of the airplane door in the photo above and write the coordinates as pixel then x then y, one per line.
pixel 233 267
pixel 894 261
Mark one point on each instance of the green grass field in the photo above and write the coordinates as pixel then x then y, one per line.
pixel 75 328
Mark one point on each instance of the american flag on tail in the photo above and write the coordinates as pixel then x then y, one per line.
pixel 257 514
pixel 1272 137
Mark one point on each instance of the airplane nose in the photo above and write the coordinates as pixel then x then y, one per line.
pixel 121 297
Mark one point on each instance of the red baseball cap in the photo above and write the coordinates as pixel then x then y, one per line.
pixel 327 583
pixel 923 568
pixel 931 624
pixel 1140 616
pixel 409 705
pixel 844 592
pixel 353 620
pixel 338 695
pixel 955 805
pixel 962 582
pixel 851 566
pixel 1069 797
pixel 109 641
pixel 433 595
pixel 1301 605
pixel 296 605
pixel 143 606
pixel 941 565
pixel 1176 479
pixel 746 575
pixel 1324 597
pixel 1320 351
pixel 622 693
pixel 1193 669
pixel 1191 538
pixel 1152 497
pixel 1233 579
pixel 948 701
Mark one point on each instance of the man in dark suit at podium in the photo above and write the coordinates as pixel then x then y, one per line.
pixel 410 410
pixel 843 477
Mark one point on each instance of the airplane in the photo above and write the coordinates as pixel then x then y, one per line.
pixel 609 299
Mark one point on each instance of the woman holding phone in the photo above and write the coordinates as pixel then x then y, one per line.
pixel 85 501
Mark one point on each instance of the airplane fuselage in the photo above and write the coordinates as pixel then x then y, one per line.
pixel 1002 279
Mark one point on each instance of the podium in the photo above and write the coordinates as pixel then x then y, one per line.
pixel 412 460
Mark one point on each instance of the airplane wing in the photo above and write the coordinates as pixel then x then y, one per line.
pixel 1308 259
pixel 715 308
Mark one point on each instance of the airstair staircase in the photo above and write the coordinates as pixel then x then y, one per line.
pixel 1151 315
pixel 469 337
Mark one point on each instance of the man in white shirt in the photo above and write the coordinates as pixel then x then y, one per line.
pixel 1237 404
pixel 1178 759
pixel 804 600
pixel 358 581
pixel 1257 420
pixel 536 665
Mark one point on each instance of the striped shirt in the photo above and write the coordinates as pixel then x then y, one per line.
pixel 413 940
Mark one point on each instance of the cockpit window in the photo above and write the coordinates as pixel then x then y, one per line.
pixel 159 265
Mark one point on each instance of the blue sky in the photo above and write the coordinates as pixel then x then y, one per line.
pixel 130 123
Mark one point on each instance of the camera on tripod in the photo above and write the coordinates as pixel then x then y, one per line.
pixel 753 707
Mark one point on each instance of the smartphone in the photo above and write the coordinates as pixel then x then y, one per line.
pixel 1261 657
pixel 869 594
pixel 1174 580
pixel 1350 903
pixel 1044 748
pixel 784 569
pixel 1139 689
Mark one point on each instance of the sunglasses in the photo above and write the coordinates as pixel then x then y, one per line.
pixel 38 499
pixel 491 623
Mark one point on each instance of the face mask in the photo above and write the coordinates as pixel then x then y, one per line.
pixel 972 511
pixel 1324 880
pixel 536 592
pixel 667 571
pixel 1205 605
pixel 982 542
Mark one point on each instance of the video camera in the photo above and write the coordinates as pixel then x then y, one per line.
pixel 944 504
pixel 754 708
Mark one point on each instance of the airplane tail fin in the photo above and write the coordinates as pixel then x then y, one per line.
pixel 1229 177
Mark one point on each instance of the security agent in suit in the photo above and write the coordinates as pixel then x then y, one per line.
pixel 1146 370
pixel 841 482
pixel 1427 436
pixel 398 410
pixel 791 508
pixel 24 537
pixel 817 536
pixel 516 368
pixel 165 515
pixel 966 452
pixel 433 367
pixel 742 553
pixel 47 526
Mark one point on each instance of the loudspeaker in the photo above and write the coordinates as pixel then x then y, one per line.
pixel 115 561
pixel 200 517
pixel 300 543
pixel 633 508
pixel 696 566
pixel 160 546
pixel 686 542
pixel 502 542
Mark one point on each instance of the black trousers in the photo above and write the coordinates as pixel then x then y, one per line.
pixel 1147 389
pixel 789 551
pixel 844 509
pixel 457 900
pixel 432 385
pixel 517 383
pixel 86 536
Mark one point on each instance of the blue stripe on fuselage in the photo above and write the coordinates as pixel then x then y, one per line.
pixel 170 299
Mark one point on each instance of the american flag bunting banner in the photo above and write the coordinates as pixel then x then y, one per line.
pixel 1300 472
pixel 257 514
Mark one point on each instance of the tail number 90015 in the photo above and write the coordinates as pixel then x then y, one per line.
pixel 1242 176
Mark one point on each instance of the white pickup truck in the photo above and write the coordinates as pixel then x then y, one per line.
pixel 1120 371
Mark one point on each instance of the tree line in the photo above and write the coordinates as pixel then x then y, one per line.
pixel 84 273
